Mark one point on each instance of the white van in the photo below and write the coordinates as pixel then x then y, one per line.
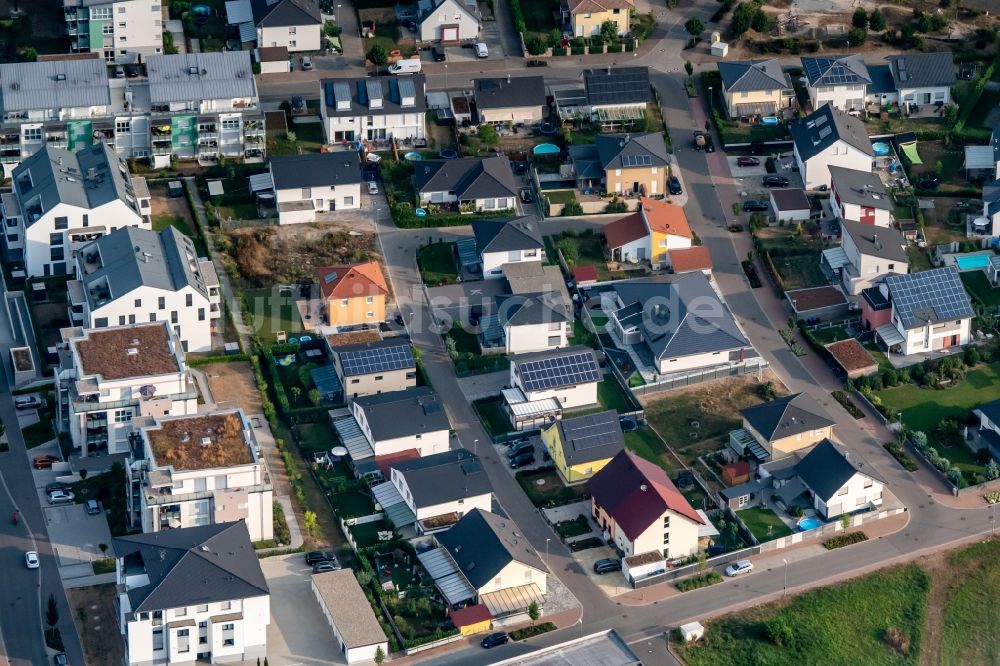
pixel 410 66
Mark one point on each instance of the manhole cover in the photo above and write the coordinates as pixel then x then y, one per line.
pixel 539 482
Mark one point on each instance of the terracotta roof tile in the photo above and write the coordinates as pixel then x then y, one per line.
pixel 626 230
pixel 690 259
pixel 666 218
pixel 351 281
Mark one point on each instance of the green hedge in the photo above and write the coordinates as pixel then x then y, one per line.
pixel 845 540
pixel 209 360
pixel 897 452
pixel 703 580
pixel 405 217
pixel 518 14
pixel 533 630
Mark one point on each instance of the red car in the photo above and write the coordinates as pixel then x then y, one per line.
pixel 44 462
pixel 747 161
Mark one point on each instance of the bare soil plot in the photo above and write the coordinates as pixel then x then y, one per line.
pixel 94 616
pixel 234 382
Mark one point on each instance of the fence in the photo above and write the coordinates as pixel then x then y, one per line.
pixel 872 408
pixel 748 367
pixel 243 224
pixel 828 530
pixel 679 572
pixel 345 523
pixel 433 644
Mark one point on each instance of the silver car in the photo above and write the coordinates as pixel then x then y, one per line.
pixel 739 568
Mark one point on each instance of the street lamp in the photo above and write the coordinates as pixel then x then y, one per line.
pixel 710 100
pixel 338 18
pixel 547 550
pixel 899 417
pixel 475 447
pixel 784 588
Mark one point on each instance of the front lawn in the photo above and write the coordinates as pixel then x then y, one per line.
pixel 437 264
pixel 551 491
pixel 764 523
pixel 832 334
pixel 572 528
pixel 924 408
pixel 858 622
pixel 465 352
pixel 978 285
pixel 493 415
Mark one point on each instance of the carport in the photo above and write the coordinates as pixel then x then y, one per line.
pixel 468 253
pixel 447 578
pixel 261 182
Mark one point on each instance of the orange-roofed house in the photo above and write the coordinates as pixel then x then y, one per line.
pixel 691 259
pixel 649 234
pixel 353 294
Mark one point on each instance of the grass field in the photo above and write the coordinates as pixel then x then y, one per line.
pixel 648 445
pixel 315 436
pixel 552 492
pixel 272 310
pixel 971 616
pixel 437 264
pixel 977 284
pixel 612 396
pixel 764 523
pixel 924 408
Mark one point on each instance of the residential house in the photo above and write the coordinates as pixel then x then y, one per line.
pixel 790 206
pixel 510 100
pixel 640 510
pixel 923 79
pixel 569 376
pixel 867 253
pixel 988 224
pixel 274 60
pixel 859 196
pixel 108 376
pixel 165 619
pixel 133 275
pixel 834 481
pixel 401 420
pixel 345 606
pixel 532 323
pixel 755 88
pixel 584 18
pixel 829 137
pixel 306 186
pixel 782 426
pixel 370 368
pixel 200 469
pixel 441 488
pixel 691 259
pixel 532 278
pixel 497 563
pixel 353 294
pixel 582 446
pixel 293 24
pixel 121 31
pixel 468 183
pixel 56 194
pixel 840 81
pixel 447 21
pixel 682 322
pixel 930 311
pixel 626 164
pixel 373 108
pixel 616 97
pixel 649 234
pixel 502 243
pixel 988 434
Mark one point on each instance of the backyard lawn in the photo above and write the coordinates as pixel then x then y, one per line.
pixel 161 222
pixel 315 437
pixel 493 416
pixel 352 504
pixel 272 309
pixel 647 444
pixel 918 259
pixel 612 396
pixel 924 408
pixel 437 264
pixel 585 250
pixel 561 196
pixel 977 284
pixel 551 491
pixel 764 523
pixel 832 334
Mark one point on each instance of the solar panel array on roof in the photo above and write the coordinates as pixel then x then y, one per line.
pixel 593 430
pixel 376 359
pixel 636 160
pixel 929 296
pixel 560 371
pixel 617 85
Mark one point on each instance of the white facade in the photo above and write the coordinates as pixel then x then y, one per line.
pixel 121 31
pixel 484 502
pixel 672 534
pixel 854 212
pixel 569 397
pixel 948 335
pixel 863 269
pixel 490 204
pixel 857 493
pixel 449 21
pixel 843 97
pixel 382 126
pixel 427 443
pixel 295 38
pixel 925 96
pixel 525 338
pixel 515 574
pixel 638 250
pixel 693 362
pixel 493 261
pixel 299 205
pixel 816 170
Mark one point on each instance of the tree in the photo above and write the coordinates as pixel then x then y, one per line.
pixel 609 31
pixel 845 521
pixel 742 16
pixel 83 474
pixel 857 36
pixel 309 521
pixel 52 613
pixel 29 54
pixel 488 135
pixel 760 21
pixel 103 547
pixel 377 55
pixel 992 470
pixel 702 560
pixel 876 20
pixel 688 67
pixel 694 27
pixel 379 655
pixel 296 392
pixel 860 18
pixel 315 397
pixel 534 612
pixel 779 632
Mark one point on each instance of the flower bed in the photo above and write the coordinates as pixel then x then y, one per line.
pixel 896 449
pixel 534 630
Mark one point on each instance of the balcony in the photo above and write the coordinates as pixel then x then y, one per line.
pixel 163 496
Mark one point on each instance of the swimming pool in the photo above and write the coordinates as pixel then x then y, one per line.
pixel 546 149
pixel 880 148
pixel 807 524
pixel 972 262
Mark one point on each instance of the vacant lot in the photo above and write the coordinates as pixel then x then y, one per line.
pixel 96 622
pixel 795 256
pixel 234 382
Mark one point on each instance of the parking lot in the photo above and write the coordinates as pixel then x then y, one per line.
pixel 750 179
pixel 76 538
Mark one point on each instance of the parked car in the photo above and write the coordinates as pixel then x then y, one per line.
pixel 306 63
pixel 61 497
pixel 747 161
pixel 323 567
pixel 494 640
pixel 298 106
pixel 475 314
pixel 93 508
pixel 775 181
pixel 31 401
pixel 674 185
pixel 739 568
pixel 61 659
pixel 607 565
pixel 57 485
pixel 372 187
pixel 438 54
pixel 31 559
pixel 520 448
pixel 44 462
pixel 316 556
pixel 523 460
pixel 754 206
pixel 481 50
pixel 526 195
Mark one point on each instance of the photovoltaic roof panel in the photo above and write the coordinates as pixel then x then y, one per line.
pixel 376 359
pixel 636 160
pixel 560 371
pixel 929 297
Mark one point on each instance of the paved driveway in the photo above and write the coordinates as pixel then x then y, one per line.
pixel 298 633
pixel 75 536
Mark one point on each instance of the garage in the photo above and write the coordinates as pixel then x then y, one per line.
pixel 449 33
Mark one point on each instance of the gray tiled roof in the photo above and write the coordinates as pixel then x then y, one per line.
pixel 483 543
pixel 444 477
pixel 316 169
pixel 53 84
pixel 884 242
pixel 929 297
pixel 60 176
pixel 403 413
pixel 786 417
pixel 356 93
pixel 682 315
pixel 529 310
pixel 922 70
pixel 467 177
pixel 836 71
pixel 825 469
pixel 618 151
pixel 753 75
pixel 591 437
pixel 859 187
pixel 617 85
pixel 824 127
pixel 349 609
pixel 500 236
pixel 192 566
pixel 199 76
pixel 285 13
pixel 502 93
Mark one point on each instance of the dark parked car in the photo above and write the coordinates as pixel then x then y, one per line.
pixel 775 181
pixel 607 565
pixel 56 485
pixel 523 460
pixel 438 54
pixel 520 448
pixel 298 106
pixel 317 556
pixel 61 659
pixel 755 206
pixel 674 185
pixel 44 462
pixel 747 161
pixel 493 640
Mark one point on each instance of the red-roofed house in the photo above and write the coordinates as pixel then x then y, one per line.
pixel 352 294
pixel 472 619
pixel 650 234
pixel 640 510
pixel 691 259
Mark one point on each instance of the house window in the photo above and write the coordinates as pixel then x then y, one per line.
pixel 618 172
pixel 33 134
pixel 162 303
pixel 180 612
pixel 86 220
pixel 231 123
pixel 201 314
pixel 138 302
pixel 554 340
pixel 307 193
pixel 173 316
pixel 228 635
pixel 157 639
pixel 379 378
pixel 62 222
pixel 291 30
pixel 101 322
pixel 123 127
pixel 56 239
pixel 131 319
pixel 868 483
pixel 123 415
pixel 348 201
pixel 666 522
pixel 743 501
pixel 203 608
pixel 152 316
pixel 121 320
pixel 490 204
pixel 666 539
pixel 107 29
pixel 183 644
pixel 343 302
pixel 292 44
pixel 57 253
pixel 369 300
pixel 189 300
pixel 843 491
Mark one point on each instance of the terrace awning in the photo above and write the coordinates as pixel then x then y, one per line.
pixel 261 182
pixel 910 150
pixel 512 600
pixel 757 109
pixel 835 257
pixel 979 157
pixel 521 408
pixel 447 578
pixel 890 335
pixel 392 503
pixel 353 439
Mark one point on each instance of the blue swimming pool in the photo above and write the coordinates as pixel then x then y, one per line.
pixel 807 524
pixel 546 149
pixel 880 148
pixel 972 262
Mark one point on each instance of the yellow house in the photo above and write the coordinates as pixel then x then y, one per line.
pixel 581 446
pixel 787 425
pixel 755 88
pixel 584 18
pixel 352 294
pixel 633 164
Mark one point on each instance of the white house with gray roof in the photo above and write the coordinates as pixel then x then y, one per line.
pixel 443 487
pixel 373 108
pixel 121 31
pixel 840 81
pixel 447 21
pixel 476 183
pixel 402 420
pixel 501 242
pixel 859 196
pixel 308 185
pixel 923 78
pixel 135 275
pixel 533 322
pixel 829 136
pixel 62 200
pixel 866 254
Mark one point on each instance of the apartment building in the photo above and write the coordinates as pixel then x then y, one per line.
pixel 121 31
pixel 107 377
pixel 134 275
pixel 63 200
pixel 196 593
pixel 198 469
